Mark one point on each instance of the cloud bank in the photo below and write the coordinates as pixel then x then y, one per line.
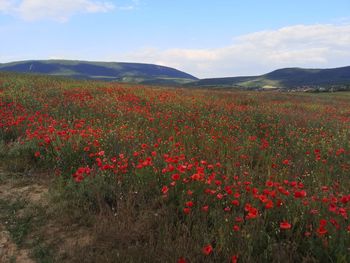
pixel 58 10
pixel 315 46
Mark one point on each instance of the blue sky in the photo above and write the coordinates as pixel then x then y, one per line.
pixel 205 38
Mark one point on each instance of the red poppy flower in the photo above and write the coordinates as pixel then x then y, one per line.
pixel 144 146
pixel 269 204
pixel 234 259
pixel 207 250
pixel 205 208
pixel 187 210
pixel 239 219
pixel 189 204
pixel 285 225
pixel 300 194
pixel 286 162
pixel 307 234
pixel 79 178
pixel 323 222
pixel 165 189
pixel 322 230
pixel 175 177
pixel 235 202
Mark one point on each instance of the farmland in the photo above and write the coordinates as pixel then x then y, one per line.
pixel 185 175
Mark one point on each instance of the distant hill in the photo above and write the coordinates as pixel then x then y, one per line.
pixel 287 78
pixel 112 71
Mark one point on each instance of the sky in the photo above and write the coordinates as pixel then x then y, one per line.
pixel 205 38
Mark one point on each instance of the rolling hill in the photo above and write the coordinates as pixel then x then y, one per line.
pixel 287 78
pixel 111 71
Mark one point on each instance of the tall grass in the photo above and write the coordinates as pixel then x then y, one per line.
pixel 190 175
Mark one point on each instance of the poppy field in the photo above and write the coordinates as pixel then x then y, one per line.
pixel 189 175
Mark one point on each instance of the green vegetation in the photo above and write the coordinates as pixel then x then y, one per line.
pixel 147 74
pixel 148 174
pixel 289 78
pixel 23 220
pixel 108 71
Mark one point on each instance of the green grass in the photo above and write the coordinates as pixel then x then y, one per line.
pixel 261 82
pixel 157 174
pixel 41 252
pixel 18 227
pixel 23 220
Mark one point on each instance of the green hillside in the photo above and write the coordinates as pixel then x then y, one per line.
pixel 288 78
pixel 111 71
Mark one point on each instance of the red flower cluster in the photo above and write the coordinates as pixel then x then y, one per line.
pixel 230 162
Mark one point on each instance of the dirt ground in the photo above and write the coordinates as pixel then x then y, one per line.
pixel 57 241
pixel 9 251
pixel 10 191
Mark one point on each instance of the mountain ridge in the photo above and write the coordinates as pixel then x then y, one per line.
pixel 151 74
pixel 112 71
pixel 285 78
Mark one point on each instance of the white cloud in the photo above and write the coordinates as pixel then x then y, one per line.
pixel 131 6
pixel 6 5
pixel 59 10
pixel 316 46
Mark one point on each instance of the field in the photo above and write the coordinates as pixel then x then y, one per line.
pixel 184 175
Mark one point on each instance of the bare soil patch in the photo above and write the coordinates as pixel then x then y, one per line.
pixel 35 216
